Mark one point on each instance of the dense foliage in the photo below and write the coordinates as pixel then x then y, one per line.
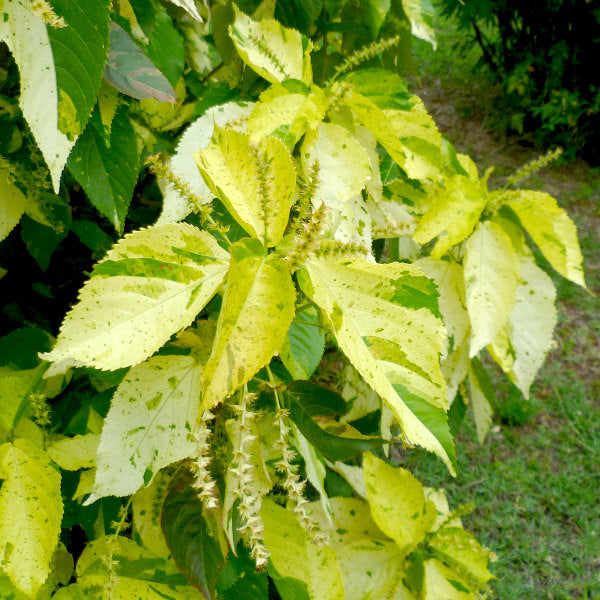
pixel 544 54
pixel 307 277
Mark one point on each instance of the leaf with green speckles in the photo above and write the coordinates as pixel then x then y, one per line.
pixel 295 556
pixel 551 229
pixel 74 453
pixel 257 183
pixel 152 414
pixel 151 284
pixel 397 502
pixel 384 318
pixel 273 51
pixel 258 308
pixel 31 511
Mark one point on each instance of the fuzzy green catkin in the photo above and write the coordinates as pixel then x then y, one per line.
pixel 307 240
pixel 533 167
pixel 292 483
pixel 364 54
pixel 252 527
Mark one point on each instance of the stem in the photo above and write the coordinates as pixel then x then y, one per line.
pixel 212 72
pixel 273 387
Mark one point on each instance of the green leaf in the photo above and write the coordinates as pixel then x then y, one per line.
pixel 108 173
pixel 305 401
pixel 16 387
pixel 377 11
pixel 491 270
pixel 193 534
pixel 273 51
pixel 31 510
pixel 482 397
pixel 138 573
pixel 90 234
pixel 12 203
pixel 257 184
pixel 258 308
pixel 420 14
pixel 152 414
pixel 397 503
pixel 74 453
pixel 551 229
pixel 41 241
pixel 79 51
pixel 304 344
pixel 27 37
pixel 442 583
pixel 132 72
pixel 295 556
pixel 151 284
pixel 196 137
pixel 382 319
pixel 386 90
pixel 165 48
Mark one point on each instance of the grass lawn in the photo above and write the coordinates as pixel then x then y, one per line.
pixel 535 481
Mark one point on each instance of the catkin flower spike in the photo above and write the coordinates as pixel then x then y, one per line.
pixel 242 467
pixel 108 559
pixel 203 481
pixel 307 241
pixel 291 481
pixel 366 53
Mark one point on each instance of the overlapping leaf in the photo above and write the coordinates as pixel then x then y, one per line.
pixel 30 514
pixel 27 38
pixel 258 308
pixel 256 183
pixel 385 319
pixel 149 286
pixel 273 51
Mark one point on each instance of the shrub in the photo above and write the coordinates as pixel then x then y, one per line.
pixel 217 411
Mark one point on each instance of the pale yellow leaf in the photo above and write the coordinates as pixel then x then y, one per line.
pixel 150 285
pixel 31 511
pixel 12 203
pixel 258 308
pixel 27 38
pixel 482 411
pixel 551 229
pixel 491 271
pixel 437 584
pixel 256 183
pixel 294 555
pixel 275 52
pixel 74 453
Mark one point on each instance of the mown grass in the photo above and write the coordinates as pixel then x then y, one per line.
pixel 535 481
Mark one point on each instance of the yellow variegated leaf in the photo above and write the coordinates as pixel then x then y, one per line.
pixel 482 410
pixel 74 453
pixel 390 219
pixel 398 503
pixel 256 183
pixel 12 203
pixel 196 137
pixel 148 426
pixel 151 284
pixel 138 573
pixel 294 555
pixel 448 276
pixel 285 115
pixel 258 308
pixel 370 563
pixel 491 271
pixel 384 318
pixel 272 50
pixel 531 324
pixel 461 552
pixel 31 511
pixel 420 15
pixel 442 583
pixel 27 38
pixel 452 213
pixel 146 506
pixel 342 164
pixel 551 229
